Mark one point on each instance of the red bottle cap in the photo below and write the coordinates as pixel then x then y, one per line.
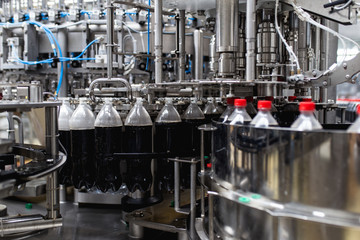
pixel 240 102
pixel 358 109
pixel 208 165
pixel 264 105
pixel 307 106
pixel 230 101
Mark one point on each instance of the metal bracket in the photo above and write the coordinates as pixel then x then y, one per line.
pixel 338 74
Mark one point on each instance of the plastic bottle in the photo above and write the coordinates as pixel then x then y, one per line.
pixel 220 108
pixel 82 146
pixel 65 114
pixel 263 118
pixel 210 110
pixel 355 127
pixel 108 140
pixel 228 111
pixel 168 133
pixel 193 118
pixel 306 121
pixel 239 115
pixel 138 135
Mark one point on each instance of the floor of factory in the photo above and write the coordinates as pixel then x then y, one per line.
pixel 84 222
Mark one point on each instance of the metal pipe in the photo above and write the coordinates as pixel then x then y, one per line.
pixel 227 36
pixel 199 53
pixel 61 4
pixel 21 135
pixel 182 40
pixel 112 80
pixel 44 4
pixel 158 41
pixel 63 42
pixel 11 130
pixel 177 186
pixel 250 40
pixel 211 217
pixel 192 198
pixel 52 148
pixel 202 167
pixel 227 25
pixel 28 226
pixel 317 47
pixel 110 37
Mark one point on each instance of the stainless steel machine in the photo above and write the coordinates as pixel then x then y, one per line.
pixel 168 67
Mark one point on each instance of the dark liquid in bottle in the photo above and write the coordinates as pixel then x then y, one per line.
pixel 192 136
pixel 65 171
pixel 138 139
pixel 210 117
pixel 167 140
pixel 191 146
pixel 108 140
pixel 83 156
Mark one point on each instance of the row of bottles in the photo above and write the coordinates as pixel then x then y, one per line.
pixel 91 142
pixel 237 114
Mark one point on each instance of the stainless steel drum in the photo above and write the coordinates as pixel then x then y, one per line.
pixel 282 184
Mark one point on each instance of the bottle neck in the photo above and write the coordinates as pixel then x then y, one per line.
pixel 264 110
pixel 307 113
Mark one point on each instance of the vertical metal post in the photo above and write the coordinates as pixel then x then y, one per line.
pixel 52 148
pixel 80 4
pixel 199 53
pixel 61 4
pixel 21 135
pixel 182 40
pixel 192 198
pixel 211 217
pixel 11 131
pixel 44 4
pixel 110 37
pixel 317 47
pixel 29 4
pixel 202 172
pixel 177 185
pixel 250 40
pixel 63 42
pixel 158 41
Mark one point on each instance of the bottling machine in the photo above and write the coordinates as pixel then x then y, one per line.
pixel 136 96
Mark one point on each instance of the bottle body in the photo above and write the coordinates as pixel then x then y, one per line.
pixel 239 116
pixel 139 136
pixel 168 139
pixel 264 119
pixel 65 114
pixel 138 174
pixel 82 146
pixel 66 171
pixel 306 122
pixel 226 114
pixel 82 153
pixel 355 127
pixel 210 111
pixel 108 140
